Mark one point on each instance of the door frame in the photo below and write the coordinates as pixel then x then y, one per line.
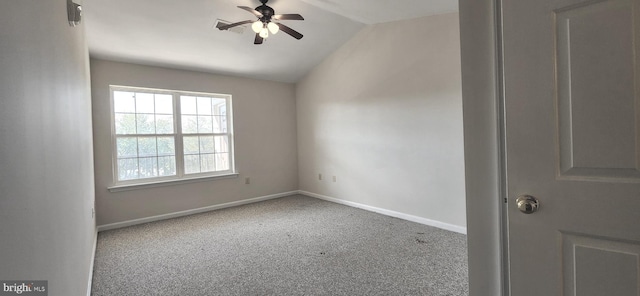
pixel 484 142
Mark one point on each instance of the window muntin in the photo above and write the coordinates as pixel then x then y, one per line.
pixel 168 135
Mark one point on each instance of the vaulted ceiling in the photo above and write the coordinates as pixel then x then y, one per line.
pixel 182 34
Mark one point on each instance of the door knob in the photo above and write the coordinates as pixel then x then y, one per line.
pixel 527 204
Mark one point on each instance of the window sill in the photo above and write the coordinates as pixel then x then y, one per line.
pixel 136 186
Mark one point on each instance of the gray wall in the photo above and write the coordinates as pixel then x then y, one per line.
pixel 482 145
pixel 384 115
pixel 265 141
pixel 47 231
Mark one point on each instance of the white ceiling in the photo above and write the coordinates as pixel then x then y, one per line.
pixel 181 34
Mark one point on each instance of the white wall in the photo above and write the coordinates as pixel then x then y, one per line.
pixel 265 141
pixel 384 115
pixel 47 231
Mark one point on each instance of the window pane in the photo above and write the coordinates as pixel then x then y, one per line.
pixel 191 164
pixel 222 162
pixel 191 145
pixel 219 124
pixel 166 166
pixel 147 146
pixel 127 147
pixel 223 124
pixel 124 102
pixel 127 169
pixel 222 144
pixel 166 146
pixel 204 106
pixel 148 167
pixel 219 106
pixel 205 124
pixel 207 163
pixel 188 105
pixel 164 124
pixel 125 124
pixel 206 144
pixel 144 103
pixel 146 124
pixel 189 124
pixel 164 104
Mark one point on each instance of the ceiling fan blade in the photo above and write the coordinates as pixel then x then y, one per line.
pixel 293 16
pixel 225 27
pixel 258 39
pixel 249 9
pixel 290 31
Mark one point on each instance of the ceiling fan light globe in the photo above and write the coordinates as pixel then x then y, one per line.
pixel 257 26
pixel 273 28
pixel 264 33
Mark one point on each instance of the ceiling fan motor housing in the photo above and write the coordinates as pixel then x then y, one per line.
pixel 266 11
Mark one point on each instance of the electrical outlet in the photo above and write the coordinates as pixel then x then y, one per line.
pixel 247 180
pixel 320 177
pixel 93 212
pixel 335 179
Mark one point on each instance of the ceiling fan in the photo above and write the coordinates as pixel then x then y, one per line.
pixel 267 22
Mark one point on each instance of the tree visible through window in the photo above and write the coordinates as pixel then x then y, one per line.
pixel 170 135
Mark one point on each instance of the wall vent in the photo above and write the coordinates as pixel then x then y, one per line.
pixel 237 29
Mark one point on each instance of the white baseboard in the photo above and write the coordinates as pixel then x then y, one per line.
pixel 192 211
pixel 93 259
pixel 425 221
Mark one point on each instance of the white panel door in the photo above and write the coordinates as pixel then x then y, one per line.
pixel 572 127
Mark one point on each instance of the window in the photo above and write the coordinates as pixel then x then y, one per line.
pixel 167 135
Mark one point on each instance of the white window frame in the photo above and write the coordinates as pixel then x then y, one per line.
pixel 181 176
